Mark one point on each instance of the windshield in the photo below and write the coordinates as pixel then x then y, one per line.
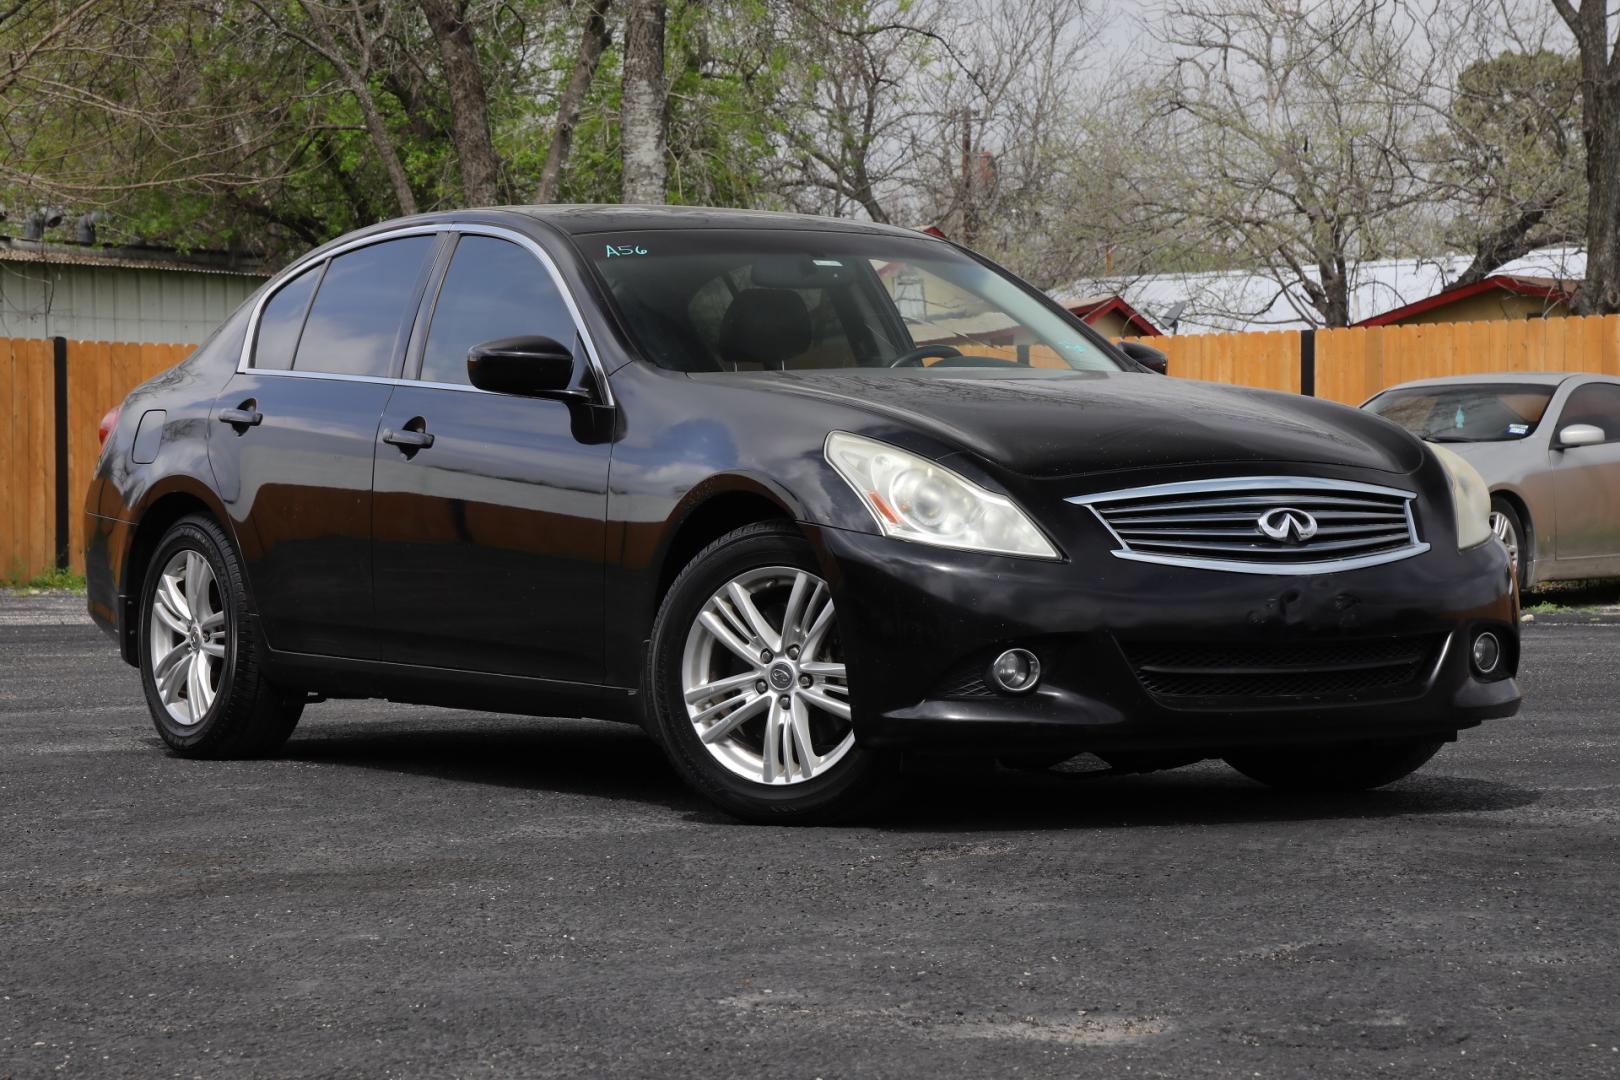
pixel 1484 413
pixel 733 300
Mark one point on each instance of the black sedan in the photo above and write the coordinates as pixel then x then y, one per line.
pixel 805 497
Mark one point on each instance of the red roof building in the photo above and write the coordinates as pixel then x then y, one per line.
pixel 1500 296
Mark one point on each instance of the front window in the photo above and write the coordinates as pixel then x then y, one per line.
pixel 1486 412
pixel 730 300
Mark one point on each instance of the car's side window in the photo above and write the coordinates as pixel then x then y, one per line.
pixel 354 324
pixel 1597 404
pixel 493 289
pixel 282 319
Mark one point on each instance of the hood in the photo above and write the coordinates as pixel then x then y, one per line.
pixel 1051 424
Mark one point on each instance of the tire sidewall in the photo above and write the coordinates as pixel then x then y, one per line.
pixel 821 797
pixel 189 535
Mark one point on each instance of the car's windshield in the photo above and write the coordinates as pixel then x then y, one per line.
pixel 733 300
pixel 1487 412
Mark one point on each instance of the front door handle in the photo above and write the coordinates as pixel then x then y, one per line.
pixel 410 438
pixel 242 417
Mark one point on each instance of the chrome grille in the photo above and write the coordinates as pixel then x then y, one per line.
pixel 1314 524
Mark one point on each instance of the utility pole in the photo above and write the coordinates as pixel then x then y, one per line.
pixel 970 217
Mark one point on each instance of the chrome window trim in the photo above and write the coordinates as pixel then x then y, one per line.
pixel 1237 485
pixel 244 363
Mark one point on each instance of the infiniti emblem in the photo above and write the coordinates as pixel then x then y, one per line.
pixel 1287 524
pixel 781 677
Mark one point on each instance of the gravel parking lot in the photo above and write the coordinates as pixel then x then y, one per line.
pixel 420 893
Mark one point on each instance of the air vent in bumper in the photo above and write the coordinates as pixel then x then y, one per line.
pixel 1360 670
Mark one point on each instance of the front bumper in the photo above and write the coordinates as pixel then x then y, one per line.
pixel 914 619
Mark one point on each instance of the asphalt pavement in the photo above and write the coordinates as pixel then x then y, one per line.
pixel 415 892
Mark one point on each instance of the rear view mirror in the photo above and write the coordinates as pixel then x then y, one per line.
pixel 1147 356
pixel 531 366
pixel 1581 435
pixel 801 272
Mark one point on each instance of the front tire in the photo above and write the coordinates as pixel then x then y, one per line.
pixel 747 685
pixel 201 655
pixel 1357 767
pixel 1508 527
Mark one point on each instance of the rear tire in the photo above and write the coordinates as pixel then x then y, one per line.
pixel 1356 767
pixel 201 654
pixel 737 745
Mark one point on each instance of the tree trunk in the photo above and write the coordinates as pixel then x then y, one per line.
pixel 469 105
pixel 1599 294
pixel 642 103
pixel 592 43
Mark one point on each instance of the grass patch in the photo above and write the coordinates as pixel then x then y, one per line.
pixel 1552 597
pixel 52 581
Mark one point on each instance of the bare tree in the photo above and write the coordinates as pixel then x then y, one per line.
pixel 856 95
pixel 1514 166
pixel 995 157
pixel 1286 135
pixel 593 42
pixel 642 132
pixel 1600 131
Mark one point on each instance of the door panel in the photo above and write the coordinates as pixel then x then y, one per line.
pixel 489 542
pixel 488 546
pixel 298 486
pixel 292 450
pixel 1587 484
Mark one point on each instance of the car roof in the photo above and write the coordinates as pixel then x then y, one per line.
pixel 1531 378
pixel 581 218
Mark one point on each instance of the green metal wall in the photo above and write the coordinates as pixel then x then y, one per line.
pixel 95 303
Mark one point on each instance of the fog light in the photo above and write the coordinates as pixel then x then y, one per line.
pixel 1487 653
pixel 1016 671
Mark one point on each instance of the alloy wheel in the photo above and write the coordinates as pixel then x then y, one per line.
pixel 1505 532
pixel 188 638
pixel 763 678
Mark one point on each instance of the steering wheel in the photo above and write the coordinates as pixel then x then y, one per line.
pixel 915 357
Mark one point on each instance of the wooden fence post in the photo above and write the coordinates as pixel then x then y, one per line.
pixel 1307 362
pixel 60 435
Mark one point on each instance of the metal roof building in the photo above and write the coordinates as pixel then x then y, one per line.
pixel 118 294
pixel 1239 300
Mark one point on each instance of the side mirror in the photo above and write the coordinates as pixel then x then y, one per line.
pixel 1581 435
pixel 1146 355
pixel 531 366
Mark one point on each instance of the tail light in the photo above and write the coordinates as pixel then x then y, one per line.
pixel 109 422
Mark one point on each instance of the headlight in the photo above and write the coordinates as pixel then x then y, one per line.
pixel 913 498
pixel 1470 498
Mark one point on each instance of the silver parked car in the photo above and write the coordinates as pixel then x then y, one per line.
pixel 1548 446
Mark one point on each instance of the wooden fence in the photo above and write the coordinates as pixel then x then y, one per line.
pixel 1353 364
pixel 54 392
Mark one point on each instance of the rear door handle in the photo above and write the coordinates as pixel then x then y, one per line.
pixel 410 438
pixel 245 416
